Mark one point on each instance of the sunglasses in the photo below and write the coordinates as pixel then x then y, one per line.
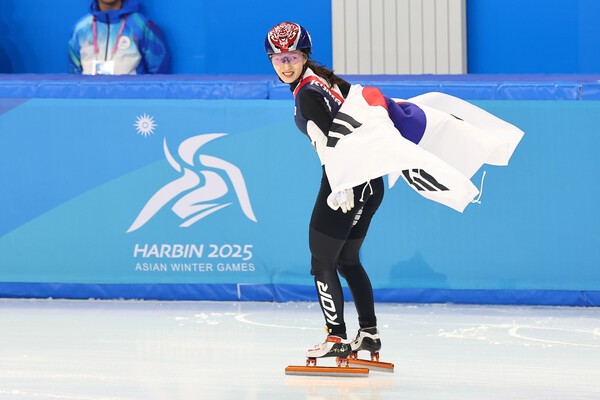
pixel 290 58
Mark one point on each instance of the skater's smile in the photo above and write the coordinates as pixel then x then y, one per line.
pixel 289 65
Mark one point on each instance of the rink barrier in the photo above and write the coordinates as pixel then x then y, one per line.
pixel 16 90
pixel 212 87
pixel 301 293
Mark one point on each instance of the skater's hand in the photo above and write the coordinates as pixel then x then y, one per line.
pixel 343 199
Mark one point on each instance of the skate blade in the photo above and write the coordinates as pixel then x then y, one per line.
pixel 372 365
pixel 326 371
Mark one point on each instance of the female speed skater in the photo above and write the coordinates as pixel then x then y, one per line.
pixel 339 221
pixel 434 142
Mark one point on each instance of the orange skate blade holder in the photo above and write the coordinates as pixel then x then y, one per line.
pixel 373 365
pixel 343 369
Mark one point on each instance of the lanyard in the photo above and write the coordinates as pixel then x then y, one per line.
pixel 95 34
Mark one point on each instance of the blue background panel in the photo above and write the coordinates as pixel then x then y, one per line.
pixel 220 87
pixel 226 37
pixel 204 37
pixel 78 173
pixel 532 37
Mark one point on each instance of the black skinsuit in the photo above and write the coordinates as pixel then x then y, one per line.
pixel 335 238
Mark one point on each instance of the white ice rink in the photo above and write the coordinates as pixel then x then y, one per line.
pixel 131 350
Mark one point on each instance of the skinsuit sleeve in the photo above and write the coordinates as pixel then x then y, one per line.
pixel 314 107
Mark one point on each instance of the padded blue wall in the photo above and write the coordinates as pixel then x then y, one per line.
pixel 532 36
pixel 205 37
pixel 223 37
pixel 78 169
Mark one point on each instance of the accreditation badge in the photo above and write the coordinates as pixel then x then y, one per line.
pixel 103 67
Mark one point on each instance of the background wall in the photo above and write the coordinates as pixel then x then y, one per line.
pixel 77 171
pixel 399 36
pixel 205 37
pixel 68 198
pixel 225 37
pixel 530 36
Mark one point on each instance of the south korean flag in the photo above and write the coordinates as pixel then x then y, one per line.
pixel 365 144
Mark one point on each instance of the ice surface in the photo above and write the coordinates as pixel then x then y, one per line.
pixel 130 350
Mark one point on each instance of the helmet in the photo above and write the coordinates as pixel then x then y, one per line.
pixel 287 36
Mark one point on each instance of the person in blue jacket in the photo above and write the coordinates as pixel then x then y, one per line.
pixel 114 38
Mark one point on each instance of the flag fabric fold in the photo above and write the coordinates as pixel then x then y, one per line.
pixel 435 142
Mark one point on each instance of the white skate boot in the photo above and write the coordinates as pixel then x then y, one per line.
pixel 333 346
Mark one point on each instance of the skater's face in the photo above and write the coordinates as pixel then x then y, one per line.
pixel 288 66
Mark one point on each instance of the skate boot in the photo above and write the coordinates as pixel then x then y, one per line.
pixel 333 346
pixel 367 339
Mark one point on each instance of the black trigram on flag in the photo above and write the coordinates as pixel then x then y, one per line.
pixel 422 181
pixel 342 125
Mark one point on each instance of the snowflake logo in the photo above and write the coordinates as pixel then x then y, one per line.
pixel 145 125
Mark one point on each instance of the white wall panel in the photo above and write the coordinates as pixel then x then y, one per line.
pixel 399 36
pixel 415 36
pixel 339 35
pixel 429 37
pixel 442 44
pixel 377 36
pixel 402 44
pixel 389 29
pixel 365 37
pixel 457 34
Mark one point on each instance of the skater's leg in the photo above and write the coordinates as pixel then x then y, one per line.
pixel 325 251
pixel 360 285
pixel 351 269
pixel 349 265
pixel 328 233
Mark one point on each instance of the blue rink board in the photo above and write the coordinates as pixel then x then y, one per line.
pixel 64 180
pixel 473 87
pixel 283 293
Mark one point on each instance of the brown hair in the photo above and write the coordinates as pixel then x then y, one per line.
pixel 324 72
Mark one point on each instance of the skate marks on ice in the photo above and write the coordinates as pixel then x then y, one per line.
pixel 468 352
pixel 538 334
pixel 288 320
pixel 130 350
pixel 524 326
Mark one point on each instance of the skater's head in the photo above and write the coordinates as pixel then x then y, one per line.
pixel 288 46
pixel 287 36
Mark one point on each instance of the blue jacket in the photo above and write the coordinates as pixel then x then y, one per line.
pixel 132 41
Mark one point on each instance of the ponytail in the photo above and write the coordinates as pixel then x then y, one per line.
pixel 324 72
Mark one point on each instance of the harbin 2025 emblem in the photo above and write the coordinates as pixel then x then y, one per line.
pixel 198 191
